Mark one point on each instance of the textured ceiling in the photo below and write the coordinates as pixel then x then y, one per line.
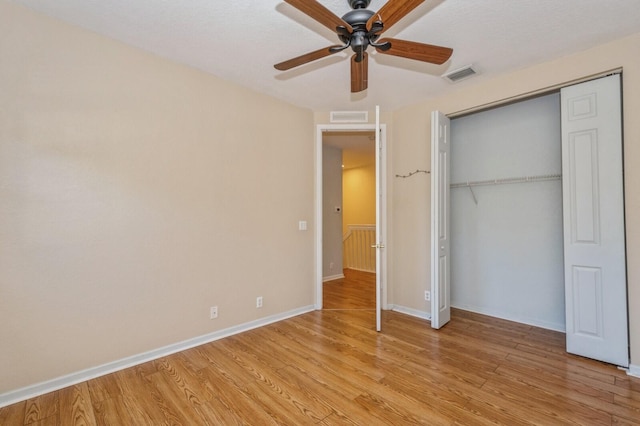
pixel 241 40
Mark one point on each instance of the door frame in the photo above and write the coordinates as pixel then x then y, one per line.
pixel 320 130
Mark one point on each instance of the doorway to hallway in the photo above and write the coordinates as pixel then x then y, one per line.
pixel 326 209
pixel 349 219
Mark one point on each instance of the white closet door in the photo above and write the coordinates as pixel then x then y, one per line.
pixel 593 213
pixel 440 240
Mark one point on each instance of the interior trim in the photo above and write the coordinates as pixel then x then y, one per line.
pixel 410 311
pixel 531 94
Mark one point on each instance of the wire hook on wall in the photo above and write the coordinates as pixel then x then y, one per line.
pixel 413 173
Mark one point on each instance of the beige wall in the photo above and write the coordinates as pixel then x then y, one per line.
pixel 359 196
pixel 136 193
pixel 409 274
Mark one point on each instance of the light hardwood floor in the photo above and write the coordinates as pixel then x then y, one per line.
pixel 357 290
pixel 331 367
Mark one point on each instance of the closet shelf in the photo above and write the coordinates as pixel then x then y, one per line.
pixel 524 179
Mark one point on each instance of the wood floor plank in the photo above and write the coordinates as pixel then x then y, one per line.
pixel 75 406
pixel 225 361
pixel 501 415
pixel 13 414
pixel 355 291
pixel 617 421
pixel 331 393
pixel 451 405
pixel 336 353
pixel 293 397
pixel 324 371
pixel 104 387
pixel 114 411
pixel 181 401
pixel 231 401
pixel 41 407
pixel 545 402
pixel 627 408
pixel 584 395
pixel 400 410
pixel 331 367
pixel 137 395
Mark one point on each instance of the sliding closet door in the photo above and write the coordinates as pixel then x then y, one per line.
pixel 593 210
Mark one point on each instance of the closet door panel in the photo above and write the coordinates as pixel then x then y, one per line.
pixel 593 210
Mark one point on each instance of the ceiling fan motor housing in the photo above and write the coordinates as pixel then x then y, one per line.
pixel 360 38
pixel 358 18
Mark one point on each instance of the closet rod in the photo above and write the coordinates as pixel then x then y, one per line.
pixel 501 181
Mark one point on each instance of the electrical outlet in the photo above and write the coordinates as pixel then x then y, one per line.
pixel 427 296
pixel 259 302
pixel 213 312
pixel 330 265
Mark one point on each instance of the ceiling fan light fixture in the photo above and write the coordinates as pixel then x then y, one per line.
pixel 460 74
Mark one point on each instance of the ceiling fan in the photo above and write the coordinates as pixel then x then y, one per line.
pixel 361 28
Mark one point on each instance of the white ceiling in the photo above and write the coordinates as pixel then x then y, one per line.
pixel 241 40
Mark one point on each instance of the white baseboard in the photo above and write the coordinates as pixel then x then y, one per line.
pixel 42 388
pixel 634 370
pixel 332 277
pixel 505 316
pixel 410 311
pixel 361 270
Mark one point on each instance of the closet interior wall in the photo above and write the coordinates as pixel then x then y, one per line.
pixel 506 212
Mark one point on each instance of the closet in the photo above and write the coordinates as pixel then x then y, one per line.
pixel 536 216
pixel 506 212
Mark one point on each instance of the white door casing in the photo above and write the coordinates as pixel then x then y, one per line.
pixel 440 203
pixel 593 216
pixel 381 158
pixel 379 246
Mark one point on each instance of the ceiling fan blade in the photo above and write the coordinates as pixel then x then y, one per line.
pixel 392 12
pixel 359 73
pixel 320 13
pixel 307 57
pixel 418 51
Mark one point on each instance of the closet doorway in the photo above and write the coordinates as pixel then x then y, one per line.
pixel 506 212
pixel 537 216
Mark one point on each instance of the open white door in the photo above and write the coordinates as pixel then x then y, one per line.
pixel 379 225
pixel 440 258
pixel 593 211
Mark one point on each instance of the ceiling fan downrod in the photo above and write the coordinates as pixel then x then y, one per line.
pixel 359 4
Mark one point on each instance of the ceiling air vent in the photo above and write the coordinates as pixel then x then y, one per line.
pixel 349 117
pixel 459 74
